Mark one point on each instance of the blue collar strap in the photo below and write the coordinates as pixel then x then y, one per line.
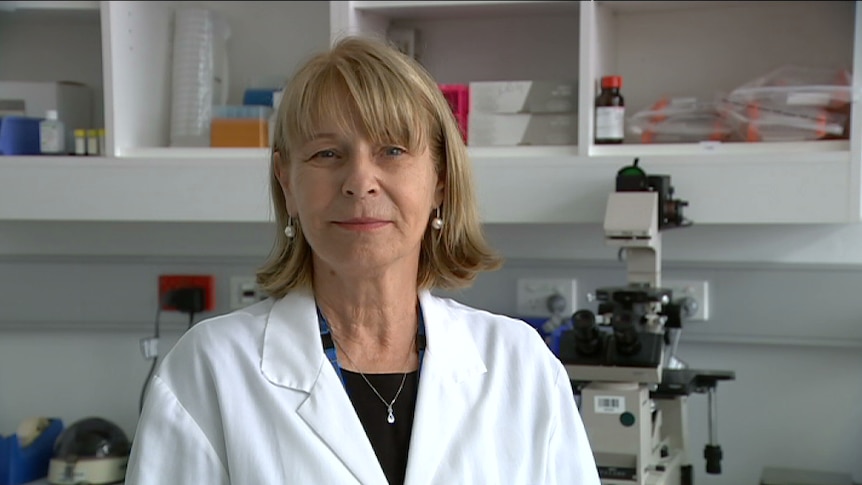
pixel 329 344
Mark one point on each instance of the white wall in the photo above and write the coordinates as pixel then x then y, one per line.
pixel 817 244
pixel 790 244
pixel 76 298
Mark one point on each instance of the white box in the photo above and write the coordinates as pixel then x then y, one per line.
pixel 522 129
pixel 524 97
pixel 73 102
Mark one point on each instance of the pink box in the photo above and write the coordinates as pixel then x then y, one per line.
pixel 458 96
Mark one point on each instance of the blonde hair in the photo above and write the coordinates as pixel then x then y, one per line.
pixel 390 94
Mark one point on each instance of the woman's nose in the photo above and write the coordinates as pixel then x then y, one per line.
pixel 361 177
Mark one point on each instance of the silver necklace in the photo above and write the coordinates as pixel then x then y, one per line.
pixel 390 417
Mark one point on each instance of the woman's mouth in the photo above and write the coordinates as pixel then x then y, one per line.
pixel 362 224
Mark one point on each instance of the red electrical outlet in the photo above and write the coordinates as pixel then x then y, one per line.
pixel 168 283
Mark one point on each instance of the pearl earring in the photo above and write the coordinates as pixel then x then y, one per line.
pixel 290 231
pixel 437 222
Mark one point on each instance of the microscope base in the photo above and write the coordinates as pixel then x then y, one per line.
pixel 668 471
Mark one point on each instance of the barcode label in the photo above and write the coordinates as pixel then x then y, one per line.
pixel 610 404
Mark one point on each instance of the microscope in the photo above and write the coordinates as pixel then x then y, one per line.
pixel 633 390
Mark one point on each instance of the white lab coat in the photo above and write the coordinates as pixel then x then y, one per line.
pixel 249 398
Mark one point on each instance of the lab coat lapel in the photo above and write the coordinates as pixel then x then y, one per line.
pixel 293 357
pixel 329 412
pixel 451 365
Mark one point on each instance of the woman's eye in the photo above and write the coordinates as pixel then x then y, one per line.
pixel 395 151
pixel 324 154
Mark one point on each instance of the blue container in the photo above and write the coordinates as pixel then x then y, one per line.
pixel 553 338
pixel 258 96
pixel 19 135
pixel 23 465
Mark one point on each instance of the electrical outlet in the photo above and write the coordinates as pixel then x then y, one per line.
pixel 534 294
pixel 168 283
pixel 244 292
pixel 695 290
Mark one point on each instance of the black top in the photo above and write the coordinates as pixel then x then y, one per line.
pixel 391 442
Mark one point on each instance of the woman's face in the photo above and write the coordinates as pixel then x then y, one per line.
pixel 363 207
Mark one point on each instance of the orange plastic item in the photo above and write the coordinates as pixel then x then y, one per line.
pixel 239 133
pixel 648 136
pixel 753 112
pixel 718 130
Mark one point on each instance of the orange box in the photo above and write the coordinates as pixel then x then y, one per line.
pixel 239 133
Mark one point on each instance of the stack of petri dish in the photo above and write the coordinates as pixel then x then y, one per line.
pixel 199 74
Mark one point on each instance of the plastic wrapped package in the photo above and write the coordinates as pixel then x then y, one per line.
pixel 680 120
pixel 792 103
pixel 760 123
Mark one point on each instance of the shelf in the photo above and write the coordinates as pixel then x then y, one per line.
pixel 202 153
pixel 461 9
pixel 658 6
pixel 193 189
pixel 515 185
pixel 503 153
pixel 48 6
pixel 788 188
pixel 691 153
pixel 718 148
pixel 724 44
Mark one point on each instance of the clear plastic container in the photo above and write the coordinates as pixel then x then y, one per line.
pixel 791 86
pixel 761 123
pixel 199 77
pixel 681 120
pixel 792 103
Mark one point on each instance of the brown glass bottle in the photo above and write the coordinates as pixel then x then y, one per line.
pixel 610 112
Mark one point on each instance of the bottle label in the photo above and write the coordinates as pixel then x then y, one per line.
pixel 51 138
pixel 92 145
pixel 609 122
pixel 80 145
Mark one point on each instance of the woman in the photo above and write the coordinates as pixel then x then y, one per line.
pixel 352 372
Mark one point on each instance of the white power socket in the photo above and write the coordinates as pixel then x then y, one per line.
pixel 696 290
pixel 243 292
pixel 534 294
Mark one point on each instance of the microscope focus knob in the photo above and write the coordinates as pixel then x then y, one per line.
pixel 689 306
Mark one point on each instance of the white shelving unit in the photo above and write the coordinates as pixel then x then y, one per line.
pixel 674 48
pixel 48 6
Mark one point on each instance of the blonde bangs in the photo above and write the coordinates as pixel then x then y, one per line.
pixel 352 96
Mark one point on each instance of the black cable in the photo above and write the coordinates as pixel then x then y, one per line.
pixel 187 300
pixel 146 381
pixel 155 359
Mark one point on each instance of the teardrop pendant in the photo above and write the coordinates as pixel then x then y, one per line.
pixel 391 418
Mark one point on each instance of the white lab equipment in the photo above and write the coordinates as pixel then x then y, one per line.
pixel 633 390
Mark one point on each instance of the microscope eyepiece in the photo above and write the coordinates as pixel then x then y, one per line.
pixel 586 332
pixel 625 333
